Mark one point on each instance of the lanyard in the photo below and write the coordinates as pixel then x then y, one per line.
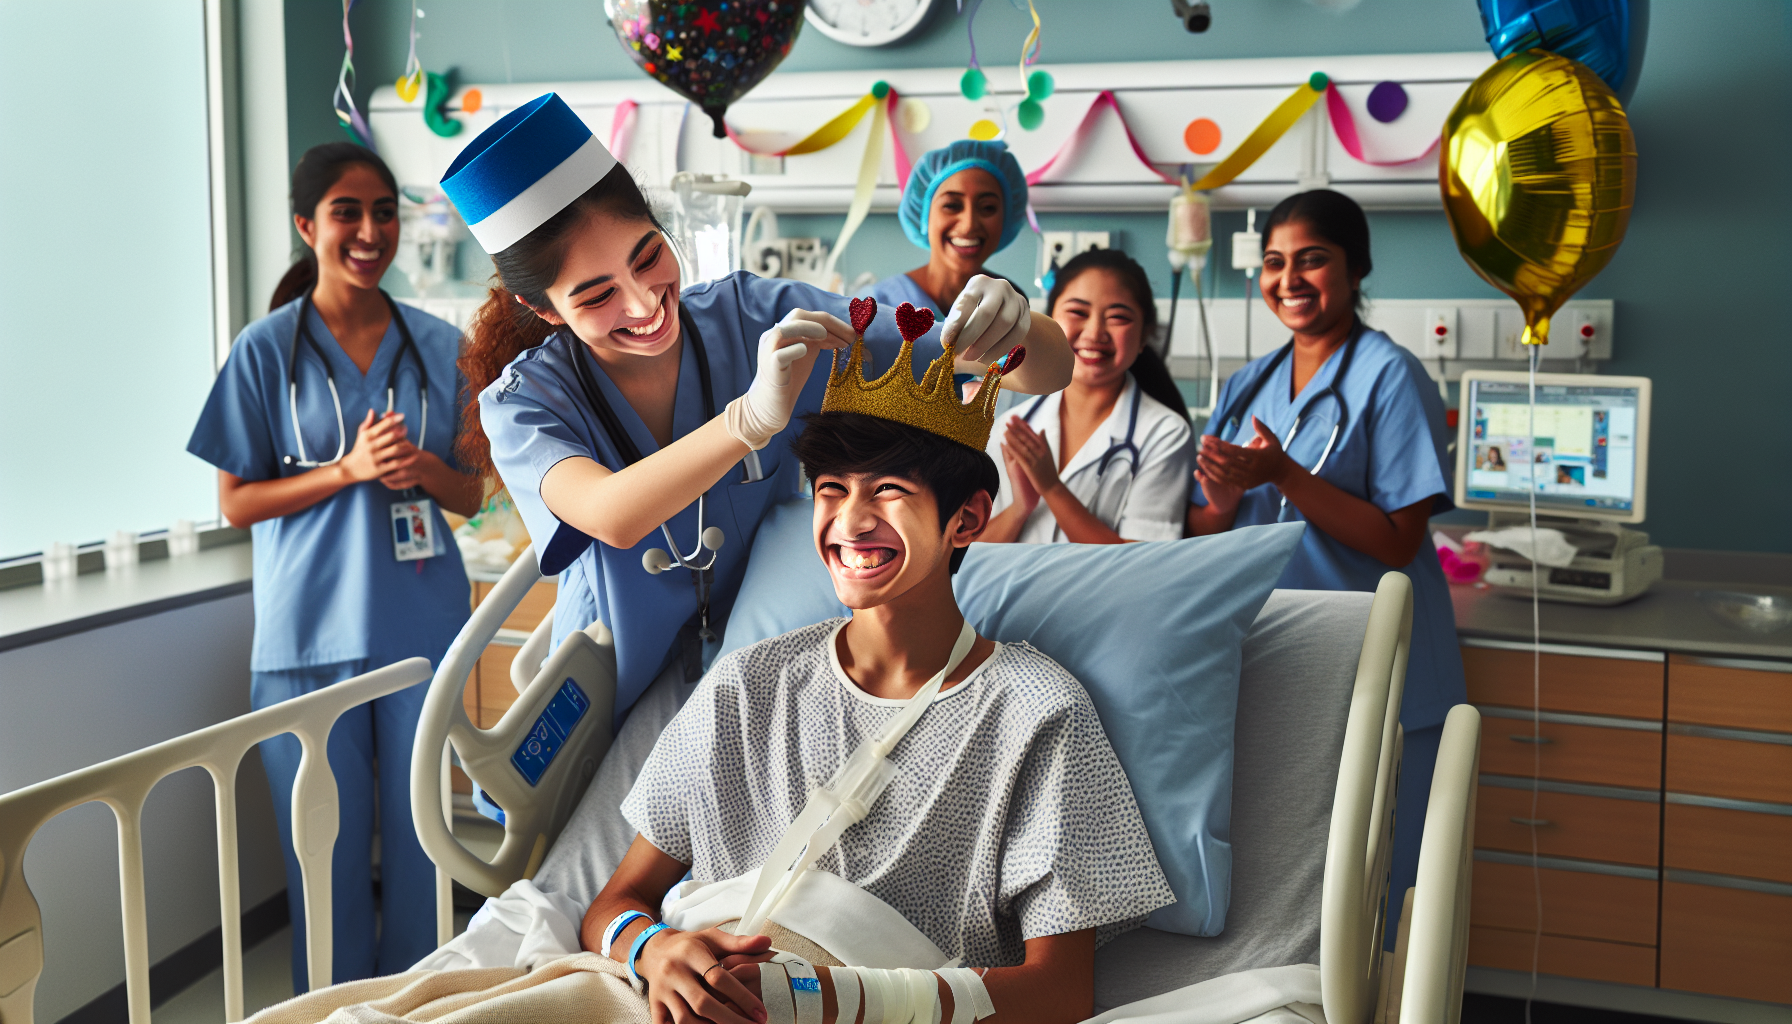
pixel 301 330
pixel 845 800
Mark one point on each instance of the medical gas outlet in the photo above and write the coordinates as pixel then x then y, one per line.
pixel 1440 334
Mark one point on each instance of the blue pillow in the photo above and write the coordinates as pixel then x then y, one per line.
pixel 1159 650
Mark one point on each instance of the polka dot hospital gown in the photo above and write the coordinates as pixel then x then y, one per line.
pixel 1009 817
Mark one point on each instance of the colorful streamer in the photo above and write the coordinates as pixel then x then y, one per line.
pixel 821 138
pixel 622 129
pixel 1345 125
pixel 347 114
pixel 411 82
pixel 1266 134
pixel 862 192
pixel 1104 98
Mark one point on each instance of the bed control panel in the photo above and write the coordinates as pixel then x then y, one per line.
pixel 551 731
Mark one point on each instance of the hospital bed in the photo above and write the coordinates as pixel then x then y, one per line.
pixel 1317 763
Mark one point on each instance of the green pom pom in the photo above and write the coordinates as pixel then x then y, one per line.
pixel 880 89
pixel 1040 85
pixel 1318 81
pixel 1030 114
pixel 973 84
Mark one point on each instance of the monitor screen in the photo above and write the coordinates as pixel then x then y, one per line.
pixel 1583 452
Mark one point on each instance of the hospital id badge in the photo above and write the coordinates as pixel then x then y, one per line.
pixel 413 530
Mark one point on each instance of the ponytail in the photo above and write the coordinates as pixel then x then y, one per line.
pixel 501 330
pixel 298 281
pixel 1154 379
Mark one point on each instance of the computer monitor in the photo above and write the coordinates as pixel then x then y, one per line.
pixel 1590 459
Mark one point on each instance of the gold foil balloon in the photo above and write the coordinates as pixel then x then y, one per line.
pixel 1538 170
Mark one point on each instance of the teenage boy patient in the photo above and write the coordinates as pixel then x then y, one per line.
pixel 890 791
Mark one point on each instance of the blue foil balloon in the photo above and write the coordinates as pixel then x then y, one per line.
pixel 1605 35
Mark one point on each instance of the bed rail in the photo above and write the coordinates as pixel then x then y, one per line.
pixel 1359 849
pixel 124 783
pixel 1437 955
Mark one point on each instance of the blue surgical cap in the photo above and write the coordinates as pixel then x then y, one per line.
pixel 937 165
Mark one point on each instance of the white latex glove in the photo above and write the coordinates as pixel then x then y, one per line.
pixel 987 319
pixel 786 354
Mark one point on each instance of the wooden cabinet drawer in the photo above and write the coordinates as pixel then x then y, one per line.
pixel 496 692
pixel 1726 942
pixel 1510 950
pixel 1572 753
pixel 533 608
pixel 1583 827
pixel 1588 685
pixel 1721 841
pixel 1577 904
pixel 1741 698
pixel 1740 769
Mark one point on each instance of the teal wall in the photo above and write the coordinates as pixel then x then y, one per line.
pixel 1696 282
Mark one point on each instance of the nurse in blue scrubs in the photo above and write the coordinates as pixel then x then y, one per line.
pixel 963 204
pixel 613 402
pixel 332 427
pixel 1342 428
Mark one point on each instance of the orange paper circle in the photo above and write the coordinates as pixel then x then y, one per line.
pixel 1201 136
pixel 471 101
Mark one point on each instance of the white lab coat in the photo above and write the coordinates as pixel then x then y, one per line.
pixel 1150 504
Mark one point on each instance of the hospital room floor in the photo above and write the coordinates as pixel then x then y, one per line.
pixel 267 967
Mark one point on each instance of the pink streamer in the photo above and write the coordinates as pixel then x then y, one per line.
pixel 903 164
pixel 1344 123
pixel 1103 98
pixel 622 129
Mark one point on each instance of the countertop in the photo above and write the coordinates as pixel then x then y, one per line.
pixel 33 614
pixel 1667 618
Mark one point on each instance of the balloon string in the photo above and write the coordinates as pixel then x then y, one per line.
pixel 344 100
pixel 970 29
pixel 1344 124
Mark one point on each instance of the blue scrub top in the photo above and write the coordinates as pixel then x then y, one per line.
pixel 328 587
pixel 1392 452
pixel 535 415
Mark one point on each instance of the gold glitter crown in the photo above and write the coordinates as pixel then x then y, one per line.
pixel 932 405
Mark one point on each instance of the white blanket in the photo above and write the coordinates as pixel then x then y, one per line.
pixel 528 928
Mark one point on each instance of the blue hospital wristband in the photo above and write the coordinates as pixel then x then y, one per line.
pixel 634 954
pixel 615 927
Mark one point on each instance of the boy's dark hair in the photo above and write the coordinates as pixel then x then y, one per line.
pixel 841 443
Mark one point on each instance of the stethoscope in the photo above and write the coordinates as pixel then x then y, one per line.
pixel 1125 447
pixel 1230 422
pixel 657 560
pixel 405 344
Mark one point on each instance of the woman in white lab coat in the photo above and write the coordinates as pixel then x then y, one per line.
pixel 1107 460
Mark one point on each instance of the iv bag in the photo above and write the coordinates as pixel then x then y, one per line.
pixel 706 220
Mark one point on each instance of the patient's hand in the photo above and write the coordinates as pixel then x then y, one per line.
pixel 695 976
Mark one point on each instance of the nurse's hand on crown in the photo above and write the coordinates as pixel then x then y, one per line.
pixel 617 290
pixel 988 318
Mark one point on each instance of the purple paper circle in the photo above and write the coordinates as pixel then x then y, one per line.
pixel 1387 101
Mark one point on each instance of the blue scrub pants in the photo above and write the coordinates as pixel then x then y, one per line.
pixel 378 733
pixel 1417 760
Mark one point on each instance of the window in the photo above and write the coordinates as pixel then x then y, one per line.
pixel 106 338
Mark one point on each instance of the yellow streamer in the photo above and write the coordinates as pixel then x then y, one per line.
pixel 1032 37
pixel 861 193
pixel 1264 135
pixel 835 130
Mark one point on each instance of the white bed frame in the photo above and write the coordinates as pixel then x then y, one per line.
pixel 1421 982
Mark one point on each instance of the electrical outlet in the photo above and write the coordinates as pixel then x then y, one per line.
pixel 1056 248
pixel 1086 240
pixel 1440 334
pixel 1582 329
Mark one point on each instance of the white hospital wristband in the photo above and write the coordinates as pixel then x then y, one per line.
pixel 805 987
pixel 846 994
pixel 774 992
pixel 614 928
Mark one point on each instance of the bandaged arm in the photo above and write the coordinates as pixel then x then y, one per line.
pixel 1055 984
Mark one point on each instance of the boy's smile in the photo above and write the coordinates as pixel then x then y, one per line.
pixel 878 535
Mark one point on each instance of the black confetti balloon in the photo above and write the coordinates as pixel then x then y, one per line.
pixel 712 52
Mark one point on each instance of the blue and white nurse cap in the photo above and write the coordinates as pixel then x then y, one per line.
pixel 524 169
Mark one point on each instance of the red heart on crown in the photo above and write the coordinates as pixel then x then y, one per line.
pixel 1007 364
pixel 911 323
pixel 862 311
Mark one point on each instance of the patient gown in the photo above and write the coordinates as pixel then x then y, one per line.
pixel 1009 817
